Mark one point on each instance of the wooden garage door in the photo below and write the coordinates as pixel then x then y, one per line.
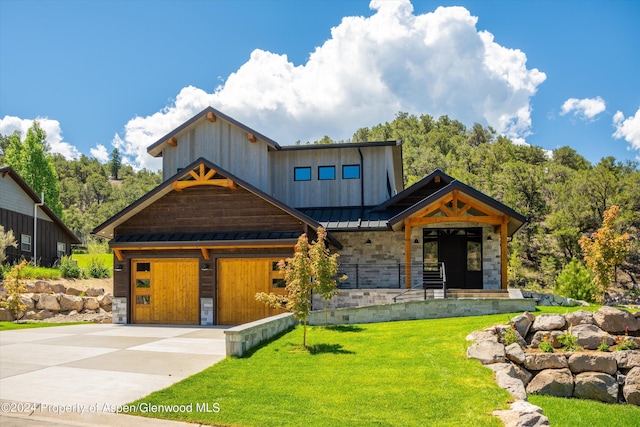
pixel 238 282
pixel 165 291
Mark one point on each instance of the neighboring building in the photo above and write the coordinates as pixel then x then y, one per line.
pixel 233 202
pixel 18 202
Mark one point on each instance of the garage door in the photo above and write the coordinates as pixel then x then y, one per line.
pixel 238 282
pixel 165 291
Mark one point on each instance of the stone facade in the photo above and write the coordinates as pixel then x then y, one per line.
pixel 241 339
pixel 119 310
pixel 206 311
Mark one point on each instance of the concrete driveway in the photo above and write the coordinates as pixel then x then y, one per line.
pixel 87 370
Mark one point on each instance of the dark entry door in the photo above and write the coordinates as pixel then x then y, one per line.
pixel 460 249
pixel 453 252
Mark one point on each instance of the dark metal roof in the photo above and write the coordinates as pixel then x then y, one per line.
pixel 207 237
pixel 418 191
pixel 340 145
pixel 349 218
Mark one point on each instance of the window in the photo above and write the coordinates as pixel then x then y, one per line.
pixel 302 174
pixel 326 172
pixel 61 249
pixel 25 243
pixel 143 299
pixel 351 172
pixel 143 266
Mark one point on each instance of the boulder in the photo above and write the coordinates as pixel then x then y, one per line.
pixel 94 292
pixel 35 297
pixel 627 359
pixel 30 287
pixel 91 303
pixel 631 389
pixel 58 288
pixel 105 301
pixel 513 370
pixel 548 322
pixel 485 335
pixel 514 386
pixel 552 382
pixel 522 414
pixel 579 317
pixel 41 287
pixel 523 323
pixel 542 361
pixel 27 300
pixel 6 315
pixel 591 336
pixel 593 362
pixel 73 291
pixel 613 320
pixel 538 337
pixel 596 386
pixel 37 315
pixel 70 303
pixel 48 302
pixel 515 353
pixel 487 352
pixel 522 374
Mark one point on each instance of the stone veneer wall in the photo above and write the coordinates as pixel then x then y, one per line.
pixel 378 261
pixel 119 310
pixel 206 311
pixel 240 339
pixel 414 310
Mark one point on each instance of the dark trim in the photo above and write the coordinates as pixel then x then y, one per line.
pixel 209 244
pixel 333 167
pixel 359 171
pixel 415 187
pixel 340 145
pixel 300 168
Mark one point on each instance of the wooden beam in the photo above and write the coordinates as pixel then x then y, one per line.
pixel 416 222
pixel 118 254
pixel 464 210
pixel 407 255
pixel 211 117
pixel 448 212
pixel 504 279
pixel 454 203
pixel 224 182
pixel 205 253
pixel 172 141
pixel 251 137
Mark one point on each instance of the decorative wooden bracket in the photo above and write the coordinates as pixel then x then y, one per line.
pixel 203 177
pixel 251 137
pixel 211 117
pixel 205 253
pixel 118 254
pixel 173 141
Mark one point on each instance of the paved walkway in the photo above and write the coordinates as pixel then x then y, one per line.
pixel 87 370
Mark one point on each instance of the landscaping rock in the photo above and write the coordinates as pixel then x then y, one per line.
pixel 538 337
pixel 515 353
pixel 48 302
pixel 627 359
pixel 522 374
pixel 37 315
pixel 541 361
pixel 91 303
pixel 522 414
pixel 552 382
pixel 485 335
pixel 593 362
pixel 73 291
pixel 58 288
pixel 487 352
pixel 106 301
pixel 27 300
pixel 94 292
pixel 579 317
pixel 591 336
pixel 6 315
pixel 548 322
pixel 523 323
pixel 514 386
pixel 70 303
pixel 631 389
pixel 30 287
pixel 596 386
pixel 613 320
pixel 41 287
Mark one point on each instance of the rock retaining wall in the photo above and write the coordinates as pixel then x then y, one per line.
pixel 44 300
pixel 520 368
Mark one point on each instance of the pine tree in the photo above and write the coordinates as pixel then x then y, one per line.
pixel 115 163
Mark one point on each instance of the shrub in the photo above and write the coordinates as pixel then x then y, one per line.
pixel 603 345
pixel 96 269
pixel 14 287
pixel 569 342
pixel 69 268
pixel 576 282
pixel 545 346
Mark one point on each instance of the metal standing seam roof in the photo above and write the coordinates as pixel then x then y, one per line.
pixel 206 237
pixel 349 218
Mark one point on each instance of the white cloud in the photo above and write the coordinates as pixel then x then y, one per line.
pixel 10 124
pixel 628 128
pixel 371 68
pixel 586 108
pixel 100 153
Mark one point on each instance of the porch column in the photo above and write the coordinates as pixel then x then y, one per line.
pixel 504 281
pixel 407 255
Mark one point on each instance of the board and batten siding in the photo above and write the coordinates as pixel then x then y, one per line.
pixel 377 165
pixel 225 145
pixel 13 198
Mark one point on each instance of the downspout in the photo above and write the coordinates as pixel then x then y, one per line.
pixel 35 229
pixel 361 187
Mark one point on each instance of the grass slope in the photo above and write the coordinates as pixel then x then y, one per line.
pixel 8 326
pixel 84 259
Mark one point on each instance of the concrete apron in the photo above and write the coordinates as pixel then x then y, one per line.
pixel 84 372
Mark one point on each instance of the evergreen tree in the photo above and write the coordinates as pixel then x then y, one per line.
pixel 115 163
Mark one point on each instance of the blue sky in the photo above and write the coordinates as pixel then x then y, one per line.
pixel 105 73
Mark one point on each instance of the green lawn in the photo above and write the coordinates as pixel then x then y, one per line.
pixel 389 374
pixel 83 259
pixel 8 326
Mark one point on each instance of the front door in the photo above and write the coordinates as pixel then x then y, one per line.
pixel 460 249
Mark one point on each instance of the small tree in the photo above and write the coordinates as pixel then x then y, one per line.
pixel 6 240
pixel 576 281
pixel 14 287
pixel 312 268
pixel 115 163
pixel 605 250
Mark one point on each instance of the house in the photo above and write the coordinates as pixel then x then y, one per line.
pixel 196 249
pixel 20 210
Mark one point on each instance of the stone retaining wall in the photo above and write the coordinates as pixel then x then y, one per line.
pixel 427 309
pixel 240 339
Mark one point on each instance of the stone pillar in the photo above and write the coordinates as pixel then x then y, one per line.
pixel 119 310
pixel 206 311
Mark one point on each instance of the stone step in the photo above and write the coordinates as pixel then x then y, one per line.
pixel 477 293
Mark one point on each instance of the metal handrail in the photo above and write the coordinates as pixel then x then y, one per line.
pixel 440 278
